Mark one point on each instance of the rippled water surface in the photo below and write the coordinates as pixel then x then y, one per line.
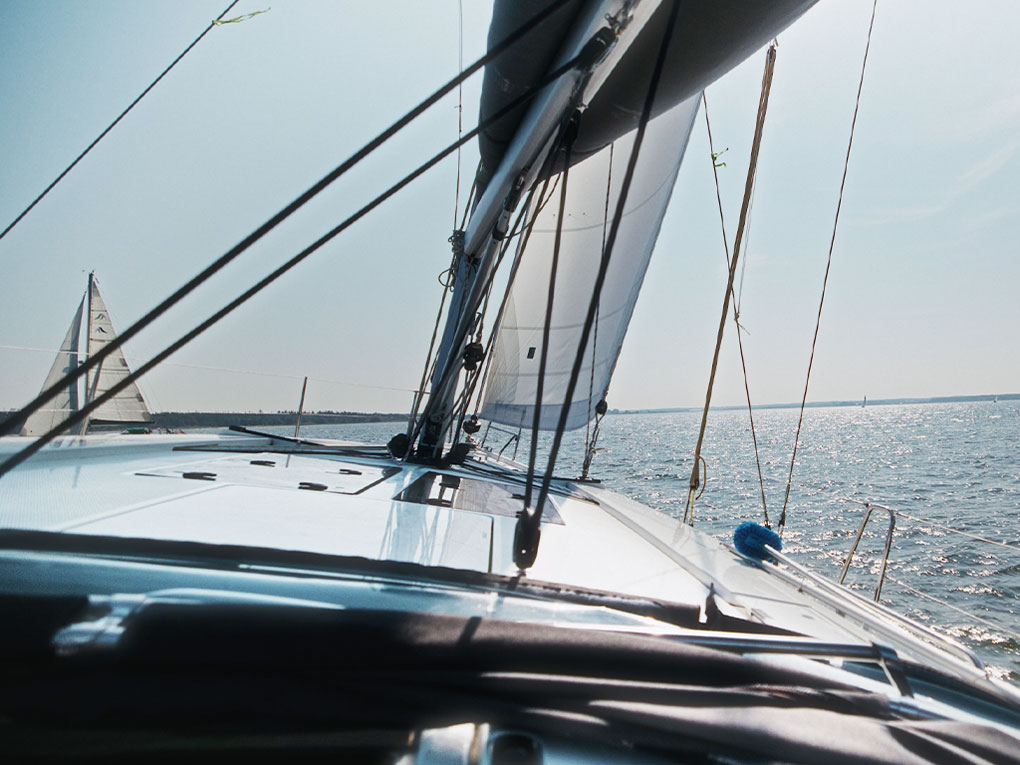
pixel 954 467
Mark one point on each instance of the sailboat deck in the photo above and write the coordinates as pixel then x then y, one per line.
pixel 339 499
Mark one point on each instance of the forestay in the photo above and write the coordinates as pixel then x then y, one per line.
pixel 511 390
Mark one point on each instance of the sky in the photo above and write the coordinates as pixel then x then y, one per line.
pixel 922 297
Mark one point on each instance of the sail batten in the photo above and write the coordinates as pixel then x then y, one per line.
pixel 512 381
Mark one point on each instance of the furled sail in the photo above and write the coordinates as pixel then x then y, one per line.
pixel 128 405
pixel 511 387
pixel 66 401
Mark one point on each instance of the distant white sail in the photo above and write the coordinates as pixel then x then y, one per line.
pixel 66 401
pixel 513 375
pixel 128 405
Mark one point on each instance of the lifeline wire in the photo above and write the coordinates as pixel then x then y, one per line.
pixel 113 124
pixel 217 265
pixel 600 279
pixel 736 310
pixel 997 627
pixel 19 457
pixel 828 264
pixel 763 103
pixel 934 525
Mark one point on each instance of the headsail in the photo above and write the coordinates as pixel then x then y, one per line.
pixel 512 382
pixel 66 401
pixel 128 405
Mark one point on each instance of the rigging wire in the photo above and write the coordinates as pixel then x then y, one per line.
pixel 20 456
pixel 463 402
pixel 566 142
pixel 113 124
pixel 460 102
pixel 589 443
pixel 736 304
pixel 221 262
pixel 528 524
pixel 828 264
pixel 763 102
pixel 420 393
pixel 464 399
pixel 525 234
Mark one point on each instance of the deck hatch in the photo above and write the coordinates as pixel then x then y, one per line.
pixel 473 495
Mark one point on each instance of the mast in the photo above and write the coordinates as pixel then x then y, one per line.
pixel 588 44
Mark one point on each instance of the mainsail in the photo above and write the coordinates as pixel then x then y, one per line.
pixel 66 401
pixel 511 389
pixel 127 406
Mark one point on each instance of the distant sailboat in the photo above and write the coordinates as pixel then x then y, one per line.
pixel 864 403
pixel 128 406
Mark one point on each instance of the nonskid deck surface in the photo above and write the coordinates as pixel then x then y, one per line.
pixel 342 499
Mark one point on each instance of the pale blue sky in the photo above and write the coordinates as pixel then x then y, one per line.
pixel 923 291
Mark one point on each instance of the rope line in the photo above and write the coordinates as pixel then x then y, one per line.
pixel 533 517
pixel 81 414
pixel 763 102
pixel 736 308
pixel 113 124
pixel 828 264
pixel 287 211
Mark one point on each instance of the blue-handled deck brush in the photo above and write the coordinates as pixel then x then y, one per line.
pixel 753 540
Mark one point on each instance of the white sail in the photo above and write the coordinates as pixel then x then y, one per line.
pixel 66 400
pixel 128 405
pixel 513 375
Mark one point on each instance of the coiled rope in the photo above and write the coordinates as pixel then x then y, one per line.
pixel 828 264
pixel 763 102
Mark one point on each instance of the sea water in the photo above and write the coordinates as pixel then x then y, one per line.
pixel 955 467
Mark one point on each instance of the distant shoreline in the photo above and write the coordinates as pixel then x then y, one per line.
pixel 175 420
pixel 225 419
pixel 815 404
